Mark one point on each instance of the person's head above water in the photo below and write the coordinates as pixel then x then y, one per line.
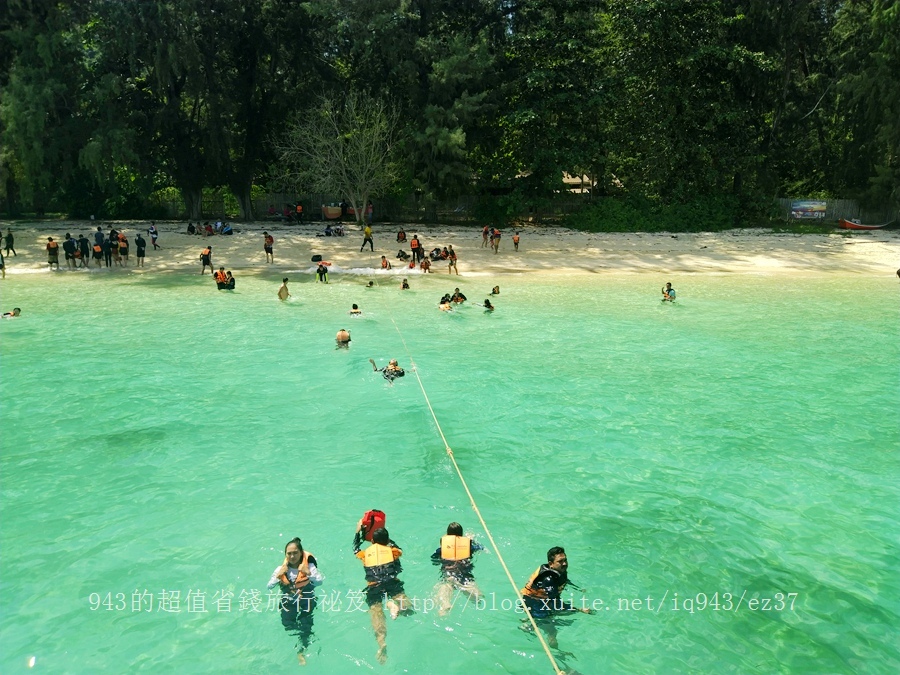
pixel 393 362
pixel 293 547
pixel 284 280
pixel 455 529
pixel 381 536
pixel 355 307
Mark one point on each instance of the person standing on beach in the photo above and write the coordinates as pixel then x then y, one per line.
pixel 154 235
pixel 367 238
pixel 283 292
pixel 268 242
pixel 52 253
pixel 495 240
pixel 484 236
pixel 206 259
pixel 98 236
pixel 322 273
pixel 123 248
pixel 98 254
pixel 516 240
pixel 10 243
pixel 107 251
pixel 141 245
pixel 451 260
pixel 381 561
pixel 414 246
pixel 543 594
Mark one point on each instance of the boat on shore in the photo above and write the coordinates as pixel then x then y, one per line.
pixel 856 225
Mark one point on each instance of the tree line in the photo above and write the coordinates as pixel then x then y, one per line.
pixel 105 103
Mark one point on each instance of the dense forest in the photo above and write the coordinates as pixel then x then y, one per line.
pixel 108 104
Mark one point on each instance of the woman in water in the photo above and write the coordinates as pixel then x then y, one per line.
pixel 297 576
pixel 488 307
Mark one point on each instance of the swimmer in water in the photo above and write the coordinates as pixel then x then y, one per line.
pixel 355 310
pixel 488 307
pixel 9 315
pixel 445 305
pixel 496 290
pixel 342 338
pixel 391 371
pixel 283 292
pixel 404 286
pixel 668 293
pixel 371 284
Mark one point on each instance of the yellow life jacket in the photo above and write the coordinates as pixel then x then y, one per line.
pixel 377 555
pixel 455 548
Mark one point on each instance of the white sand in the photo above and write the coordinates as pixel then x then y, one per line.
pixel 547 250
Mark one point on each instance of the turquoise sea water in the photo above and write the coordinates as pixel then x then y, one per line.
pixel 161 436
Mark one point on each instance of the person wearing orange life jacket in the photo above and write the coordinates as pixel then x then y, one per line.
pixel 220 278
pixel 381 561
pixel 454 555
pixel 416 247
pixel 206 259
pixel 297 577
pixel 543 591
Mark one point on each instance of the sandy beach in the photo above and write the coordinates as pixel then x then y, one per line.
pixel 542 250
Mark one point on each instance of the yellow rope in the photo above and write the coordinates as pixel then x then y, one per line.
pixel 475 506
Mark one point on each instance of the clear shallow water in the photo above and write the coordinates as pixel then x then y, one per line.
pixel 160 435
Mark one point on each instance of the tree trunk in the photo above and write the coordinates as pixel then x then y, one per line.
pixel 193 202
pixel 242 194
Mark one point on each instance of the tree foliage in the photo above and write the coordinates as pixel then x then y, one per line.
pixel 103 102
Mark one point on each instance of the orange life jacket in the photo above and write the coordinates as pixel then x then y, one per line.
pixel 220 277
pixel 302 579
pixel 414 244
pixel 455 548
pixel 540 593
pixel 377 555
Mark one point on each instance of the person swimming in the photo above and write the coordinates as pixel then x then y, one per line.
pixel 404 286
pixel 668 292
pixel 488 307
pixel 355 310
pixel 391 371
pixel 444 304
pixel 342 338
pixel 496 290
pixel 371 284
pixel 9 315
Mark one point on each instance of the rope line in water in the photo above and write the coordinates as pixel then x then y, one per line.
pixel 475 506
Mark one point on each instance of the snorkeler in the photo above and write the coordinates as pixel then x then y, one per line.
pixel 391 371
pixel 382 565
pixel 342 338
pixel 454 555
pixel 9 315
pixel 668 293
pixel 542 594
pixel 297 577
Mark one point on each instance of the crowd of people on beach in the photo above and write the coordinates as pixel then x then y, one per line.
pixel 299 575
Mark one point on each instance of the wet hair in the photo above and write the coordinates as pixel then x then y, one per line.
pixel 295 540
pixel 555 551
pixel 455 528
pixel 354 307
pixel 381 536
pixel 284 280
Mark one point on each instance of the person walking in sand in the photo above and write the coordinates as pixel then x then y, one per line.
pixel 451 260
pixel 484 236
pixel 283 292
pixel 154 235
pixel 367 238
pixel 516 241
pixel 268 242
pixel 10 243
pixel 206 259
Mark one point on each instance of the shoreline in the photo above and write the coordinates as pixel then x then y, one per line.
pixel 543 250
